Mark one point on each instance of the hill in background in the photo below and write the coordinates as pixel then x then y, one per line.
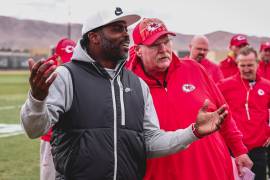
pixel 33 34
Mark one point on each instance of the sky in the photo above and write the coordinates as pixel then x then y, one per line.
pixel 249 17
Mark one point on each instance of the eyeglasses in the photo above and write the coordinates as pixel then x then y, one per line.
pixel 156 46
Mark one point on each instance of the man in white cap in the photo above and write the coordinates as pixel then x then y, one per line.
pixel 104 121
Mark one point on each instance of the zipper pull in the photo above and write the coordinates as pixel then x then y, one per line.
pixel 165 85
pixel 247 111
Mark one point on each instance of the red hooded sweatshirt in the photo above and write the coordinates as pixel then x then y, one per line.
pixel 177 101
pixel 264 69
pixel 249 104
pixel 228 67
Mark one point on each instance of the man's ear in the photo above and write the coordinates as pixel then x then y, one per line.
pixel 94 37
pixel 138 50
pixel 189 46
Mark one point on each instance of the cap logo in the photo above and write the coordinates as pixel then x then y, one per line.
pixel 118 11
pixel 240 38
pixel 188 88
pixel 68 49
pixel 153 26
pixel 150 27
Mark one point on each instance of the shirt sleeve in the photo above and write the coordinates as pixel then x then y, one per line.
pixel 218 75
pixel 37 117
pixel 229 130
pixel 159 142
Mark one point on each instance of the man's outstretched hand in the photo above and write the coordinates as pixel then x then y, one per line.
pixel 209 122
pixel 41 77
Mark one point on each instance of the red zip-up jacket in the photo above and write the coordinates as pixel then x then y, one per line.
pixel 213 69
pixel 264 69
pixel 249 107
pixel 228 67
pixel 177 101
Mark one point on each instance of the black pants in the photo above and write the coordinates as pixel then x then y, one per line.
pixel 268 160
pixel 259 158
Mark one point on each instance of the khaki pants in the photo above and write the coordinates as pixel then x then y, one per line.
pixel 47 170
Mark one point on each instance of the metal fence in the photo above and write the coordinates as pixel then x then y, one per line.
pixel 14 60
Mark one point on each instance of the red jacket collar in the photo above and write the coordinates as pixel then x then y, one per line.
pixel 134 64
pixel 262 62
pixel 238 77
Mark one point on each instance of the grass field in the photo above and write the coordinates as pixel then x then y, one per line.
pixel 19 156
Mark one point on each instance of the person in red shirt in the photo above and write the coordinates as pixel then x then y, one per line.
pixel 264 71
pixel 248 96
pixel 62 54
pixel 264 64
pixel 199 47
pixel 179 88
pixel 228 66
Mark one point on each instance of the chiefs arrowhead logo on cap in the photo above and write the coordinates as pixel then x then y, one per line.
pixel 240 38
pixel 118 11
pixel 153 26
pixel 69 49
pixel 188 88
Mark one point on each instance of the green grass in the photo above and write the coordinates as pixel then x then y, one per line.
pixel 13 92
pixel 19 155
pixel 19 158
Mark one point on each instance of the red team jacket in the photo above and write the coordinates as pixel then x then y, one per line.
pixel 251 119
pixel 213 69
pixel 177 103
pixel 228 67
pixel 264 69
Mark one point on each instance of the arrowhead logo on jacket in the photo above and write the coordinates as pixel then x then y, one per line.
pixel 260 92
pixel 188 88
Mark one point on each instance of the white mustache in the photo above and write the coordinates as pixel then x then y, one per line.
pixel 164 56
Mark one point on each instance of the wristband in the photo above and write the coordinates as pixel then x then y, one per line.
pixel 195 131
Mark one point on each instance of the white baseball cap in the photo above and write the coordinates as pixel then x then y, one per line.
pixel 105 17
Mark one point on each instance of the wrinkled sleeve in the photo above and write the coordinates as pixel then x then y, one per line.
pixel 218 75
pixel 37 117
pixel 159 142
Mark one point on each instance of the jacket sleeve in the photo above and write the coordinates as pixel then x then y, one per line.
pixel 159 142
pixel 218 75
pixel 37 117
pixel 229 131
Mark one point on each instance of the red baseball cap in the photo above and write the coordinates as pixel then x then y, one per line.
pixel 54 58
pixel 264 46
pixel 64 49
pixel 149 30
pixel 239 40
